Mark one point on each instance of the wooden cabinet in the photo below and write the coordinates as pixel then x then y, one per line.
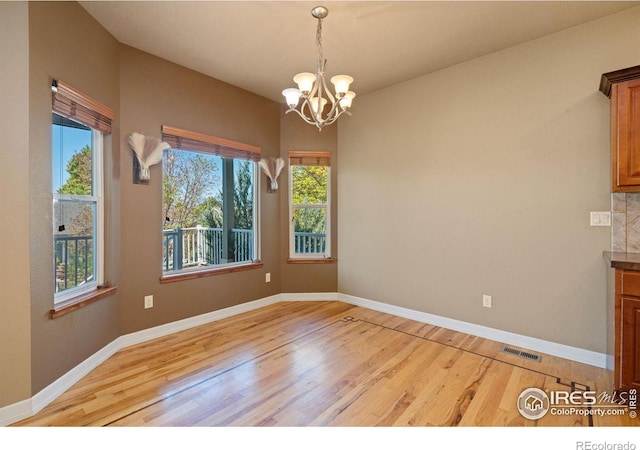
pixel 623 88
pixel 627 330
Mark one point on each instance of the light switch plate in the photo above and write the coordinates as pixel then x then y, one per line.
pixel 600 218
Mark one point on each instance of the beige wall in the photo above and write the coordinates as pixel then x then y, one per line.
pixel 15 351
pixel 66 43
pixel 155 92
pixel 295 134
pixel 479 179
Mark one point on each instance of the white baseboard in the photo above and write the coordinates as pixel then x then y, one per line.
pixel 610 362
pixel 26 408
pixel 309 297
pixel 550 348
pixel 14 412
pixel 184 324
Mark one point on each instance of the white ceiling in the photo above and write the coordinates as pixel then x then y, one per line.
pixel 260 45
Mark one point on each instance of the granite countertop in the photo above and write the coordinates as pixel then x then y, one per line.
pixel 621 260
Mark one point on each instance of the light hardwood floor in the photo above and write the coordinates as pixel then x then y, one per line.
pixel 319 364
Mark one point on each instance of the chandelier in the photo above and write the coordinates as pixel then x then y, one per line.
pixel 312 97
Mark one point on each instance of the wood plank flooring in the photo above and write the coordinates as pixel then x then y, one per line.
pixel 319 364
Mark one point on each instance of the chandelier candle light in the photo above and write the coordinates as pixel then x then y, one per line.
pixel 312 95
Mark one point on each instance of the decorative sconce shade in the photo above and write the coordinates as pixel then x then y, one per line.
pixel 272 168
pixel 313 89
pixel 148 151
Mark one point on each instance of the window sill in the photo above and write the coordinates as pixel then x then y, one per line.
pixel 209 272
pixel 81 300
pixel 310 261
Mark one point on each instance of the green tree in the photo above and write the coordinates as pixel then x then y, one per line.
pixel 79 182
pixel 189 180
pixel 212 213
pixel 243 196
pixel 309 187
pixel 79 170
pixel 80 215
pixel 309 184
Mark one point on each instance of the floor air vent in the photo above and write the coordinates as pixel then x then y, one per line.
pixel 521 354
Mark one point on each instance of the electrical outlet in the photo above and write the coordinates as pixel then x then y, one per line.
pixel 148 301
pixel 267 277
pixel 486 301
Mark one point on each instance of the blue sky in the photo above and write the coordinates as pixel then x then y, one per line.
pixel 67 142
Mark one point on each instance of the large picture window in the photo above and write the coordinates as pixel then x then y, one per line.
pixel 209 202
pixel 309 207
pixel 79 125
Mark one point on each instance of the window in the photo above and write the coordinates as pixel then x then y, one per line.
pixel 309 209
pixel 209 202
pixel 79 125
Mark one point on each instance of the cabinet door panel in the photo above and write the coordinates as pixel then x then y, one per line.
pixel 626 136
pixel 629 355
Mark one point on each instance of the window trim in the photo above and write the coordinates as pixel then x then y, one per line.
pixel 181 139
pixel 81 300
pixel 209 271
pixel 98 140
pixel 72 103
pixel 310 158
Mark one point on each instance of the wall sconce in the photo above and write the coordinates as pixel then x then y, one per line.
pixel 272 168
pixel 148 151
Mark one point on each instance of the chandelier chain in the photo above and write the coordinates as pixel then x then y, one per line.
pixel 319 45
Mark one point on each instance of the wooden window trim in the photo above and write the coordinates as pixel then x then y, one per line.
pixel 82 300
pixel 182 276
pixel 181 139
pixel 74 104
pixel 311 260
pixel 309 158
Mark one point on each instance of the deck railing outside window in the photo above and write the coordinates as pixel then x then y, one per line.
pixel 73 261
pixel 200 246
pixel 309 243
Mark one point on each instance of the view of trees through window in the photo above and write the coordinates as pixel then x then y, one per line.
pixel 74 204
pixel 309 187
pixel 208 206
pixel 309 198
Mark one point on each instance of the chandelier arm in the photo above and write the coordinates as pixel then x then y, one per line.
pixel 332 99
pixel 306 104
pixel 302 116
pixel 333 119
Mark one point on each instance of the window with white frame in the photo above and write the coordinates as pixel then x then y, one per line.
pixel 209 202
pixel 79 127
pixel 309 205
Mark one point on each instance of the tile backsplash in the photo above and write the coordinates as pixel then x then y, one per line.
pixel 625 222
